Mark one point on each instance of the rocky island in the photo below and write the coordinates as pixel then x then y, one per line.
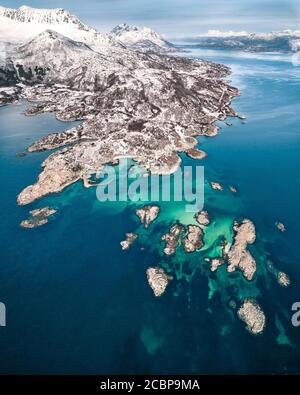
pixel 280 226
pixel 38 217
pixel 283 279
pixel 251 313
pixel 172 239
pixel 147 214
pixel 130 238
pixel 215 263
pixel 194 238
pixel 202 217
pixel 217 186
pixel 239 256
pixel 158 280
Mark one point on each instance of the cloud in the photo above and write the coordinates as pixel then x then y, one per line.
pixel 180 17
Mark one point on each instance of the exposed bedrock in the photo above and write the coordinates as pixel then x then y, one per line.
pixel 147 214
pixel 238 255
pixel 252 314
pixel 158 280
pixel 130 239
pixel 172 239
pixel 193 240
pixel 38 217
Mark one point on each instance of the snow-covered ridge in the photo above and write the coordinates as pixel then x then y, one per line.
pixel 42 16
pixel 141 38
pixel 24 23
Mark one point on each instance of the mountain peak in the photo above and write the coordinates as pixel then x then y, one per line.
pixel 18 25
pixel 123 27
pixel 143 38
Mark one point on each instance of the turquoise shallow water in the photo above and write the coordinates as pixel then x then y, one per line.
pixel 76 303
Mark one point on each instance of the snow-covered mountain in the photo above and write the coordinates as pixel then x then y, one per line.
pixel 143 38
pixel 54 58
pixel 283 41
pixel 24 23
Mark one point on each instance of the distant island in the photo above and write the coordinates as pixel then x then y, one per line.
pixel 282 41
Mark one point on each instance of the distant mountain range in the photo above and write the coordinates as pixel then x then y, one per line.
pixel 24 23
pixel 284 41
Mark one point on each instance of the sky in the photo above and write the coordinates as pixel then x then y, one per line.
pixel 179 18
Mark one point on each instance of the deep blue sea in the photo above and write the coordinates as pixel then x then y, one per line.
pixel 76 303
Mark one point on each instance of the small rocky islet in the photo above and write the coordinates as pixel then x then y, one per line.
pixel 38 217
pixel 158 280
pixel 251 313
pixel 239 256
pixel 147 214
pixel 130 239
pixel 280 226
pixel 172 239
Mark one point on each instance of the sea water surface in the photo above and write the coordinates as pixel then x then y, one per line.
pixel 77 303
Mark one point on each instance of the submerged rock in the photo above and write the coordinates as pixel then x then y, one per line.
pixel 217 186
pixel 202 217
pixel 158 280
pixel 251 313
pixel 194 238
pixel 195 153
pixel 282 278
pixel 172 239
pixel 238 255
pixel 147 214
pixel 130 238
pixel 38 217
pixel 232 304
pixel 280 226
